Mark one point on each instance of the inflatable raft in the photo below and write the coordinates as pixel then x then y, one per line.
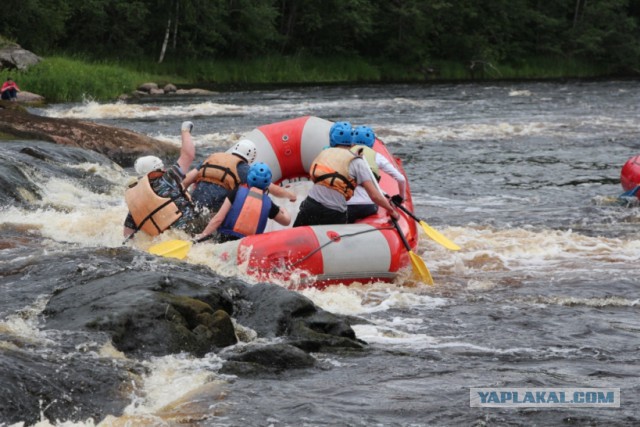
pixel 370 250
pixel 630 177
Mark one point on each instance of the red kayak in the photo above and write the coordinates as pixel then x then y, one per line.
pixel 370 250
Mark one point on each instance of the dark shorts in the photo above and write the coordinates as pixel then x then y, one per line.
pixel 9 93
pixel 313 213
pixel 356 212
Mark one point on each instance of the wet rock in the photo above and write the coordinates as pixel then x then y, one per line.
pixel 273 311
pixel 24 164
pixel 220 325
pixel 74 389
pixel 184 308
pixel 120 145
pixel 142 306
pixel 147 87
pixel 145 314
pixel 195 91
pixel 255 360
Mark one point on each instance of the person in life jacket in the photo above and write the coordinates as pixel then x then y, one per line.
pixel 158 199
pixel 246 209
pixel 221 173
pixel 360 205
pixel 336 172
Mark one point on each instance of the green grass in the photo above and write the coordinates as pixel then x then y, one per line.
pixel 64 79
pixel 292 69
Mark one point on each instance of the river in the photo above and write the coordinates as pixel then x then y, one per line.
pixel 523 176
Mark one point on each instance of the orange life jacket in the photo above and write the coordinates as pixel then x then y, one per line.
pixel 151 213
pixel 221 169
pixel 331 169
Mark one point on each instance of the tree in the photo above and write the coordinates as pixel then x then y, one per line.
pixel 37 25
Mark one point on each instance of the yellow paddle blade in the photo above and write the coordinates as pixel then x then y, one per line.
pixel 420 268
pixel 171 249
pixel 438 238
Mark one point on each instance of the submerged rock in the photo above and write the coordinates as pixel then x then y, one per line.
pixel 257 360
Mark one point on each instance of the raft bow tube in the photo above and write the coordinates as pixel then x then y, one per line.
pixel 368 251
pixel 630 175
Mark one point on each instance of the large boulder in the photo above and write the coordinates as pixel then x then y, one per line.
pixel 13 57
pixel 182 308
pixel 120 145
pixel 30 98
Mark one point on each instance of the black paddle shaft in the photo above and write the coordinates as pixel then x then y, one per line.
pixel 402 236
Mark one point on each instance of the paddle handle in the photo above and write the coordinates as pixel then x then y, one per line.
pixel 129 237
pixel 403 209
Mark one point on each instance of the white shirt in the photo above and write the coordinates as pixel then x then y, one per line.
pixel 360 195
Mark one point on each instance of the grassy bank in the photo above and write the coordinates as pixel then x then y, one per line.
pixel 61 79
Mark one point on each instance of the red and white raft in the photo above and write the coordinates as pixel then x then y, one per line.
pixel 368 251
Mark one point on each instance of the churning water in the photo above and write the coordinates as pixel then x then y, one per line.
pixel 523 176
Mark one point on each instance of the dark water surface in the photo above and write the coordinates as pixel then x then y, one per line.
pixel 543 293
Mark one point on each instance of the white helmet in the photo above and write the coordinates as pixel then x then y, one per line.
pixel 146 164
pixel 244 148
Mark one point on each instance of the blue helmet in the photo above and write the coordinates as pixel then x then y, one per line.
pixel 363 135
pixel 340 134
pixel 259 175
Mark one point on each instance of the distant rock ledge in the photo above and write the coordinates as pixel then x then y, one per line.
pixel 120 145
pixel 150 88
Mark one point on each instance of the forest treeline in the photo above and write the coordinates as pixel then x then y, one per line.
pixel 410 32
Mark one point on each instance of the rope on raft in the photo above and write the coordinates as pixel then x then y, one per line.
pixel 335 239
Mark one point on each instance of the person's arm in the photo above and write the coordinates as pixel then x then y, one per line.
pixel 129 226
pixel 386 166
pixel 276 190
pixel 378 198
pixel 216 220
pixel 364 177
pixel 126 231
pixel 188 149
pixel 190 178
pixel 283 217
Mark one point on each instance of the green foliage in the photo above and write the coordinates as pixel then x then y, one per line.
pixel 5 42
pixel 34 24
pixel 408 32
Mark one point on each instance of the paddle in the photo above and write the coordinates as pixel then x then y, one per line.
pixel 431 232
pixel 631 193
pixel 419 267
pixel 178 249
pixel 172 249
